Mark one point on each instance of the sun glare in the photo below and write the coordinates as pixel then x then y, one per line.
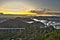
pixel 24 12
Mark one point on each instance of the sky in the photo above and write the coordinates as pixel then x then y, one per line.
pixel 18 5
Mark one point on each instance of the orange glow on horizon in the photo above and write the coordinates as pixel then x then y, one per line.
pixel 7 11
pixel 24 12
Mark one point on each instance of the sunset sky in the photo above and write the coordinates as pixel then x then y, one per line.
pixel 20 5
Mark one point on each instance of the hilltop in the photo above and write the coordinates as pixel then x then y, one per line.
pixel 32 31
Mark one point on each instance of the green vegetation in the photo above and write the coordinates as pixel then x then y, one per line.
pixel 31 32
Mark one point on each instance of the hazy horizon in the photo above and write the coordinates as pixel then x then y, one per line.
pixel 18 5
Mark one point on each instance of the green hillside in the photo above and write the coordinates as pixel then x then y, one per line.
pixel 31 32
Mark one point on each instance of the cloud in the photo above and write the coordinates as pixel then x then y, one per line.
pixel 15 6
